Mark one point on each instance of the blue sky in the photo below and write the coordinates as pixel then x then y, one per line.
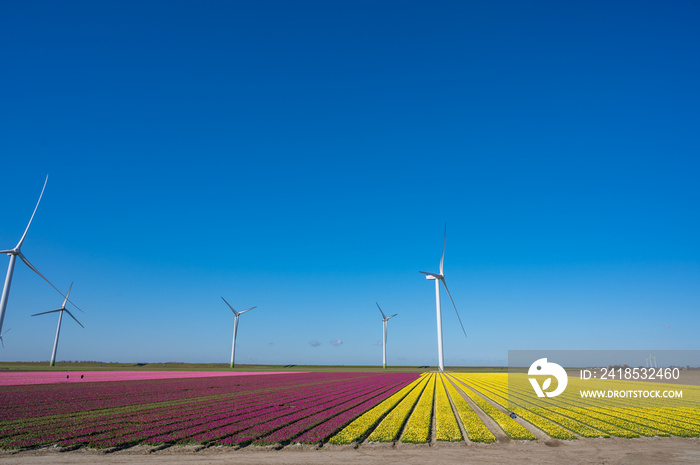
pixel 305 157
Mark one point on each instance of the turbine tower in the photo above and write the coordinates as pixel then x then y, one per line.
pixel 58 328
pixel 235 327
pixel 440 277
pixel 17 252
pixel 385 320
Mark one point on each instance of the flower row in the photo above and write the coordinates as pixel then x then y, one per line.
pixel 418 427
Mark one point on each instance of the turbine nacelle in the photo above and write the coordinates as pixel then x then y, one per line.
pixel 384 317
pixel 432 276
pixel 234 311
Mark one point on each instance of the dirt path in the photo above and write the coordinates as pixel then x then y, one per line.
pixel 583 451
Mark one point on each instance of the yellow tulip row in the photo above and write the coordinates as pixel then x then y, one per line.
pixel 500 395
pixel 588 418
pixel 585 416
pixel 390 427
pixel 475 428
pixel 512 428
pixel 446 427
pixel 359 428
pixel 417 429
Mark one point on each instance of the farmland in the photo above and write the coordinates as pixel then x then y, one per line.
pixel 248 410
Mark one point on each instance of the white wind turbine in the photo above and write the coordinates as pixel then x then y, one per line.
pixel 235 327
pixel 17 252
pixel 385 320
pixel 2 335
pixel 58 328
pixel 438 277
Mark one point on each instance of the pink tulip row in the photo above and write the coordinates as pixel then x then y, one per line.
pixel 271 408
pixel 49 377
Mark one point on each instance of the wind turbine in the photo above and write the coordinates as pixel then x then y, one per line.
pixel 440 277
pixel 385 320
pixel 58 328
pixel 235 327
pixel 17 252
pixel 2 335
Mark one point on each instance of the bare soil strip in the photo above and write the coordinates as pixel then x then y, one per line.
pixel 609 451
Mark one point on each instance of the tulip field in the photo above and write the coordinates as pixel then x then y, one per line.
pixel 219 409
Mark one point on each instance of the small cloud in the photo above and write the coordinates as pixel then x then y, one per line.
pixel 336 342
pixel 314 343
pixel 270 343
pixel 666 326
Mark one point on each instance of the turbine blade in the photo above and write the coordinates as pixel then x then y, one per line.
pixel 6 251
pixel 392 316
pixel 434 275
pixel 453 304
pixel 247 310
pixel 442 260
pixel 2 335
pixel 76 320
pixel 50 311
pixel 24 259
pixel 380 309
pixel 19 244
pixel 229 306
pixel 66 299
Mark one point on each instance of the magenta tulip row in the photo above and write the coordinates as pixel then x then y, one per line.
pixel 304 407
pixel 151 428
pixel 294 422
pixel 249 389
pixel 56 399
pixel 117 418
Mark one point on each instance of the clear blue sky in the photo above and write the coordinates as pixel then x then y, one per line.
pixel 304 156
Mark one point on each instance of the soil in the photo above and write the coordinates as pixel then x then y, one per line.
pixel 583 451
